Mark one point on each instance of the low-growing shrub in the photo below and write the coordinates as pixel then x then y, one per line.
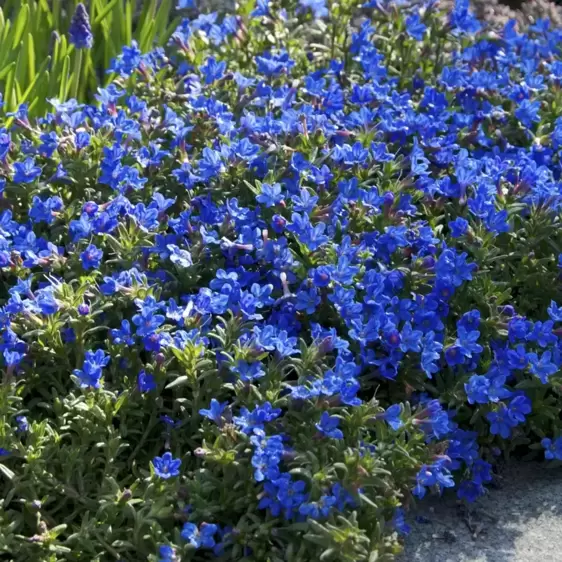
pixel 288 274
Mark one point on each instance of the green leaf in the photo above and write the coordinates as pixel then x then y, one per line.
pixel 30 57
pixel 105 12
pixel 34 81
pixel 180 381
pixel 7 472
pixel 64 79
pixel 8 88
pixel 147 38
pixel 20 25
pixel 6 69
pixel 161 20
pixel 127 31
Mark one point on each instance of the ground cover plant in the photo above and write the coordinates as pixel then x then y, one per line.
pixel 287 275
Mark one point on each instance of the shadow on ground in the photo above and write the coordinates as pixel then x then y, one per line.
pixel 520 521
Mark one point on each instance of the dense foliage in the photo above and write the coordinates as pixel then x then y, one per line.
pixel 288 274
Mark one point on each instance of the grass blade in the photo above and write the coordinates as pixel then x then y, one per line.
pixel 108 8
pixel 64 79
pixel 34 81
pixel 30 57
pixel 20 25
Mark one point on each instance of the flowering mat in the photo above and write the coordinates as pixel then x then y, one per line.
pixel 285 276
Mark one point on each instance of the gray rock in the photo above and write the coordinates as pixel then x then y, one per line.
pixel 521 521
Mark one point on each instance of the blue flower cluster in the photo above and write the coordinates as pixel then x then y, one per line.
pixel 265 291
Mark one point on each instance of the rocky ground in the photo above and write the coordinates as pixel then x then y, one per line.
pixel 528 11
pixel 520 521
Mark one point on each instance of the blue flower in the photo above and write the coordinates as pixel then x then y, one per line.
pixel 166 553
pixel 266 457
pixel 45 211
pixel 466 341
pixel 26 171
pixel 254 421
pixel 477 389
pixel 528 112
pixel 458 227
pixel 146 382
pixel 182 258
pixel 542 367
pixel 83 309
pixel 318 7
pixel 553 449
pixel 432 475
pixel 430 353
pixel 555 312
pixel 328 426
pixel 147 322
pixel 415 27
pixel 481 471
pixel 410 340
pixel 166 466
pixel 213 70
pixel 23 424
pixel 249 371
pixel 214 413
pixel 519 407
pixel 90 374
pixel 308 300
pixel 261 9
pixel 202 537
pixel 91 257
pixel 399 522
pixel 542 333
pixel 462 21
pixel 500 422
pixel 122 335
pixel 470 491
pixel 12 358
pixel 270 194
pixel 80 30
pixel 318 509
pixel 211 164
pixel 392 416
pixel 291 494
pixel 273 64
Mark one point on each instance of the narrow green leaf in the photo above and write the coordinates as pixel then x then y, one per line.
pixel 8 87
pixel 33 104
pixel 30 57
pixel 34 81
pixel 148 14
pixel 108 8
pixel 163 39
pixel 6 69
pixel 162 19
pixel 56 11
pixel 128 30
pixel 20 25
pixel 147 37
pixel 10 475
pixel 21 67
pixel 180 381
pixel 18 90
pixel 64 80
pixel 7 54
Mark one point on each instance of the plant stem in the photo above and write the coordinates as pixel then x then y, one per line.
pixel 77 70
